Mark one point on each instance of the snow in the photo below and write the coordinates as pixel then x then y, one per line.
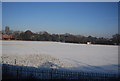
pixel 78 57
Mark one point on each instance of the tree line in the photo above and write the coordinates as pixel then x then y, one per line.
pixel 67 38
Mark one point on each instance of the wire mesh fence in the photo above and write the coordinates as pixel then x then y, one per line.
pixel 25 72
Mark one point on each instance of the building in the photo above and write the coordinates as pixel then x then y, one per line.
pixel 8 37
pixel 7 30
pixel 0 35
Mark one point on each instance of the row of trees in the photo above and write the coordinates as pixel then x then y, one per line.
pixel 68 38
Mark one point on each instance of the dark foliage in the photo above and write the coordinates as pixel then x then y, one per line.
pixel 68 38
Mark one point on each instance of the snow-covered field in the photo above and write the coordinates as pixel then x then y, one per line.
pixel 77 57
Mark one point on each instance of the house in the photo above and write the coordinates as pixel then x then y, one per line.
pixel 0 35
pixel 7 37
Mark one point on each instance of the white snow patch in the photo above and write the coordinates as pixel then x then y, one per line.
pixel 74 56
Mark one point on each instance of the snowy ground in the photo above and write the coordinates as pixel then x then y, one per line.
pixel 78 57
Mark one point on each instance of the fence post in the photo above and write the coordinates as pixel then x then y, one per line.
pixel 15 61
pixel 17 74
pixel 51 73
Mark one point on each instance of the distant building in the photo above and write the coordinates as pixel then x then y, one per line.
pixel 7 30
pixel 0 35
pixel 8 37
